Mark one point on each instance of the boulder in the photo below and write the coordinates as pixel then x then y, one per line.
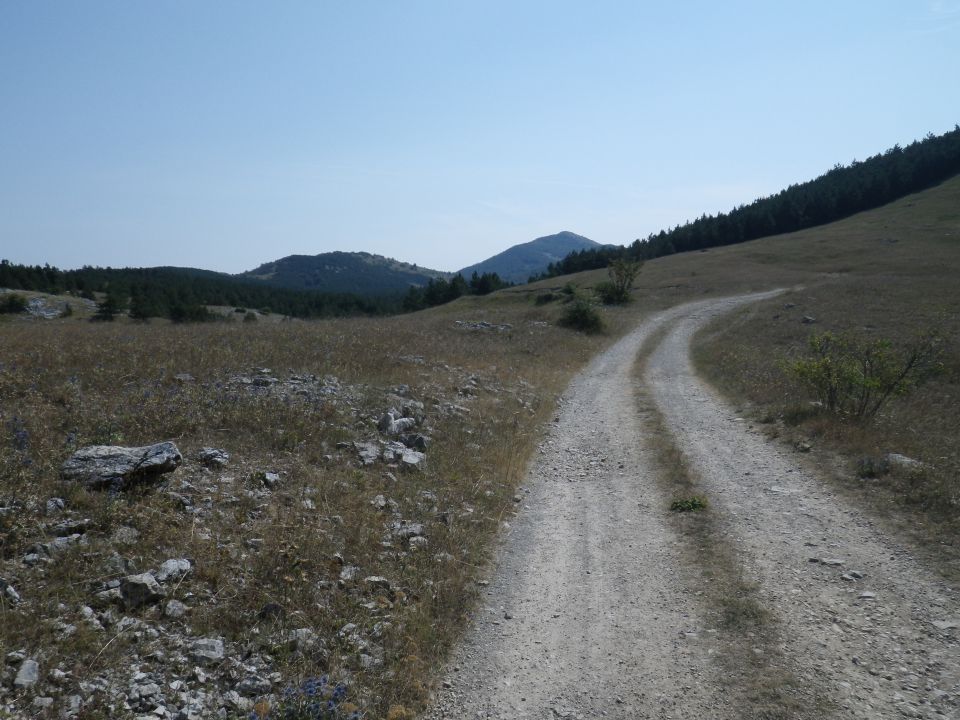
pixel 213 457
pixel 114 467
pixel 142 589
pixel 207 651
pixel 28 674
pixel 173 569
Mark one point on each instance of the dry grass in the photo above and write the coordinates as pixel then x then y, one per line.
pixel 66 384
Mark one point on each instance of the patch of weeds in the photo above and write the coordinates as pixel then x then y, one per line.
pixel 545 298
pixel 694 503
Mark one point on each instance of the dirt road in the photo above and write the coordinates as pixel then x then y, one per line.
pixel 593 610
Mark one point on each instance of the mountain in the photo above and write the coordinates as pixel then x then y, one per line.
pixel 518 263
pixel 344 272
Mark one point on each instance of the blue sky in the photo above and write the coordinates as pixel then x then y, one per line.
pixel 226 134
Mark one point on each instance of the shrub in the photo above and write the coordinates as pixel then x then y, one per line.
pixel 581 315
pixel 616 290
pixel 544 298
pixel 856 376
pixel 13 304
pixel 610 294
pixel 250 317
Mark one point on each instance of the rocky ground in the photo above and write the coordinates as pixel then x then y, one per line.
pixel 592 613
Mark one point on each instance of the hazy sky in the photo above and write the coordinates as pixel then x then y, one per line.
pixel 225 134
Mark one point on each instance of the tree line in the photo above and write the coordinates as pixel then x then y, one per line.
pixel 182 294
pixel 842 191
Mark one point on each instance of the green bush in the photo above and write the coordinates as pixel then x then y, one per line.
pixel 855 376
pixel 250 317
pixel 13 304
pixel 581 315
pixel 616 290
pixel 610 294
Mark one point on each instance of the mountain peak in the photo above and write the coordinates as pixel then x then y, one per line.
pixel 518 263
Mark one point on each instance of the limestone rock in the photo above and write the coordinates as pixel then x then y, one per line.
pixel 115 467
pixel 138 590
pixel 28 674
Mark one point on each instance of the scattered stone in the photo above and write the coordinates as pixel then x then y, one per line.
pixel 28 674
pixel 831 562
pixel 184 378
pixel 405 530
pixel 207 651
pixel 349 573
pixel 369 452
pixel 253 685
pixel 951 624
pixel 174 609
pixel 270 480
pixel 808 320
pixel 55 506
pixel 482 325
pixel 271 611
pixel 377 581
pixel 867 595
pixel 302 640
pixel 173 569
pixel 213 457
pixel 9 592
pixel 902 462
pixel 71 527
pixel 139 590
pixel 116 468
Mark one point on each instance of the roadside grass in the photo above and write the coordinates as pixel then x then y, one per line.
pixel 906 285
pixel 758 675
pixel 269 561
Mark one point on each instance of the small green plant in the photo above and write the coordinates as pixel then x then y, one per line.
pixel 694 503
pixel 872 467
pixel 856 376
pixel 250 317
pixel 581 315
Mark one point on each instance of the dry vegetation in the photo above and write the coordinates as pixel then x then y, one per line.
pixel 267 561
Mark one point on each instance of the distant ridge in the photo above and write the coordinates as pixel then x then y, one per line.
pixel 518 263
pixel 361 273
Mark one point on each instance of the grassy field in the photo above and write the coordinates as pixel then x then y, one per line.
pixel 267 561
pixel 270 560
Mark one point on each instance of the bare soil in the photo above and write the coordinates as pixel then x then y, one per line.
pixel 595 610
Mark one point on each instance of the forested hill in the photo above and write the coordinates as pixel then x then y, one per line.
pixel 843 191
pixel 184 293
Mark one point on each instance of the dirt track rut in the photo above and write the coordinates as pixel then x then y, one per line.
pixel 591 612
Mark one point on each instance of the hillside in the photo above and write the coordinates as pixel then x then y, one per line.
pixel 359 273
pixel 518 263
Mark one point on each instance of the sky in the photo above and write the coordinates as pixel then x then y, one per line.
pixel 223 135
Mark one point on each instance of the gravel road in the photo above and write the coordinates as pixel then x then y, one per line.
pixel 591 611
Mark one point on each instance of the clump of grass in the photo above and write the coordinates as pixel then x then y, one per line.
pixel 693 503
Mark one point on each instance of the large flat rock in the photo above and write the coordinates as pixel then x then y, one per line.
pixel 115 467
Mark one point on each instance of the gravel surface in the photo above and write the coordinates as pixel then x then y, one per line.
pixel 590 611
pixel 860 616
